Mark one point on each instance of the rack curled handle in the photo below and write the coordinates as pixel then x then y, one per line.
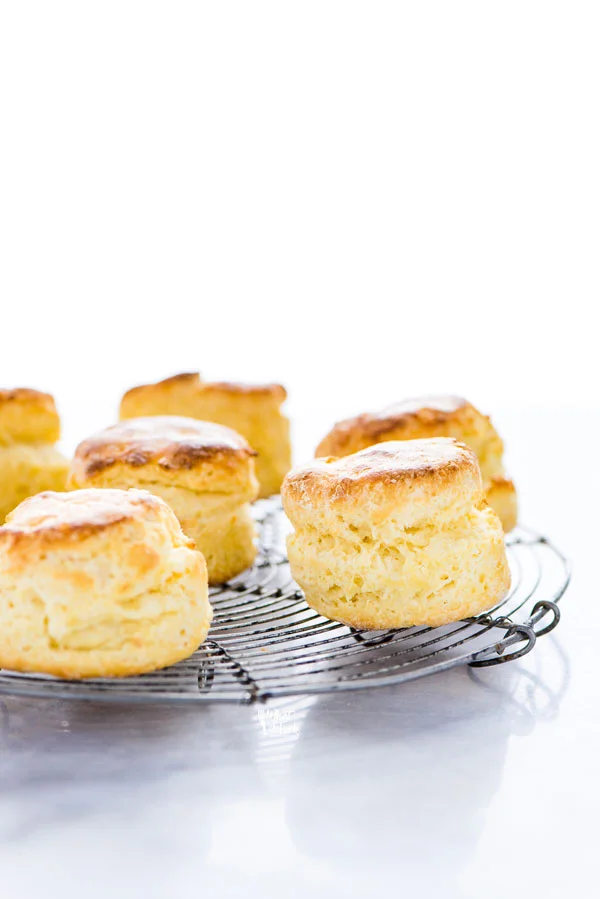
pixel 516 633
pixel 544 606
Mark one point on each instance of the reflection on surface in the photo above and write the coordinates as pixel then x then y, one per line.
pixel 412 773
pixel 538 691
pixel 419 781
pixel 66 764
pixel 303 783
pixel 279 724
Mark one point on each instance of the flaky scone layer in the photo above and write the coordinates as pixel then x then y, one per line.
pixel 426 417
pixel 27 469
pixel 501 495
pixel 423 576
pixel 395 485
pixel 170 449
pixel 252 410
pixel 203 470
pixel 99 583
pixel 227 541
pixel 396 535
pixel 28 416
pixel 221 527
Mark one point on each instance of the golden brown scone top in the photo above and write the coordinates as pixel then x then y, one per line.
pixel 208 455
pixel 184 377
pixel 410 419
pixel 391 470
pixel 184 384
pixel 58 517
pixel 170 441
pixel 190 383
pixel 276 391
pixel 28 416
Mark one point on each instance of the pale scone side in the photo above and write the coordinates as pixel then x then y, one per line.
pixel 432 416
pixel 252 410
pixel 99 583
pixel 29 460
pixel 399 548
pixel 203 470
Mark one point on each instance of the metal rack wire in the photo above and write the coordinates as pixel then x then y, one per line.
pixel 266 642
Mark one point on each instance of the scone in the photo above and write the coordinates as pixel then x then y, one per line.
pixel 99 583
pixel 203 470
pixel 29 460
pixel 433 416
pixel 396 535
pixel 254 411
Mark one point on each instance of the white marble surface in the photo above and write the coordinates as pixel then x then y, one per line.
pixel 458 785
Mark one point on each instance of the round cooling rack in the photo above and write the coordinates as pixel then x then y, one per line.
pixel 266 642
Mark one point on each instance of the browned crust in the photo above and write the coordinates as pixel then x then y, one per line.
pixel 28 416
pixel 191 380
pixel 277 391
pixel 184 379
pixel 501 494
pixel 503 482
pixel 438 459
pixel 171 442
pixel 29 396
pixel 416 415
pixel 51 517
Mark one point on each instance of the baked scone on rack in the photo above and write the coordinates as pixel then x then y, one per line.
pixel 433 416
pixel 396 535
pixel 29 459
pixel 253 410
pixel 99 583
pixel 203 470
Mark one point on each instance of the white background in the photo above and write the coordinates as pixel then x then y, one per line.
pixel 363 201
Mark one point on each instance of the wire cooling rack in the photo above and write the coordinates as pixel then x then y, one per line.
pixel 266 642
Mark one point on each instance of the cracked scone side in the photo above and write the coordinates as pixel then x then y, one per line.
pixel 99 583
pixel 433 416
pixel 253 410
pixel 29 460
pixel 396 535
pixel 203 470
